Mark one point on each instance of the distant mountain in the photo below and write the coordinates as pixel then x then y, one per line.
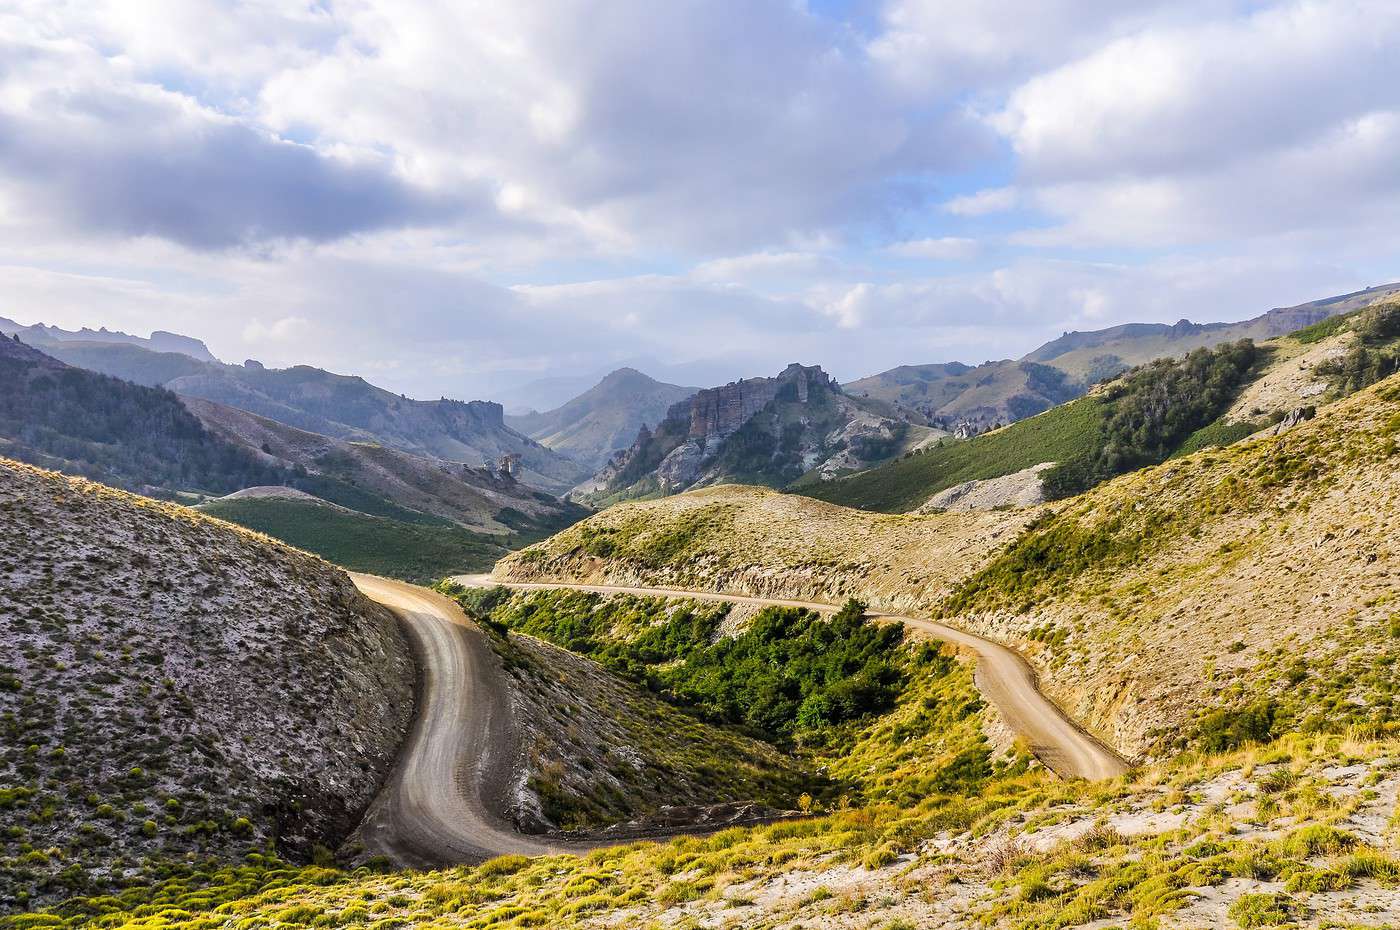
pixel 768 431
pixel 957 397
pixel 383 482
pixel 151 440
pixel 339 406
pixel 100 427
pixel 603 419
pixel 159 341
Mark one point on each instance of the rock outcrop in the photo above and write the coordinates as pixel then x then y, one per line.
pixel 757 430
pixel 1018 489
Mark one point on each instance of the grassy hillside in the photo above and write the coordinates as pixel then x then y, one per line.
pixel 173 688
pixel 1168 407
pixel 419 552
pixel 1058 435
pixel 1137 420
pixel 1289 834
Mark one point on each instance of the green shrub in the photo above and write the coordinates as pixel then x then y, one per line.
pixel 1230 728
pixel 1261 910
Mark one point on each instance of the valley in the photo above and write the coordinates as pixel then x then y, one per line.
pixel 1124 661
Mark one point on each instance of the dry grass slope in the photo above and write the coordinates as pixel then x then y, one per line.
pixel 174 686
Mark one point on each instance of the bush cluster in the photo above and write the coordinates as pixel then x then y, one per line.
pixel 1149 412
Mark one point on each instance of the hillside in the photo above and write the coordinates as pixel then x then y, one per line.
pixel 709 702
pixel 421 551
pixel 1057 435
pixel 768 431
pixel 125 434
pixel 339 406
pixel 1209 397
pixel 952 395
pixel 603 419
pixel 956 397
pixel 386 482
pixel 602 752
pixel 174 688
pixel 1078 354
pixel 1197 584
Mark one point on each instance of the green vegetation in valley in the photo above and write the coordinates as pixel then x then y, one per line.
pixel 887 718
pixel 347 494
pixel 604 749
pixel 1152 410
pixel 790 672
pixel 1057 435
pixel 415 552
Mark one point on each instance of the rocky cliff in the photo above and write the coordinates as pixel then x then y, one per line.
pixel 768 431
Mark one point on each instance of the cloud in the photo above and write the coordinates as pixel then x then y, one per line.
pixel 705 126
pixel 1275 124
pixel 943 249
pixel 89 147
pixel 983 202
pixel 285 330
pixel 448 196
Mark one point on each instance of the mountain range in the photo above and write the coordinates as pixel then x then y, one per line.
pixel 339 406
pixel 953 395
pixel 768 431
pixel 1179 588
pixel 603 419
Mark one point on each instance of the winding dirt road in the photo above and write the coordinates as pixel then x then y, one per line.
pixel 444 802
pixel 1003 676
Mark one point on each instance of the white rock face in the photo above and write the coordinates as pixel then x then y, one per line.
pixel 1018 489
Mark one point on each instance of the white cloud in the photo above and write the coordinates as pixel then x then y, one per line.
pixel 288 329
pixel 983 202
pixel 943 249
pixel 1278 124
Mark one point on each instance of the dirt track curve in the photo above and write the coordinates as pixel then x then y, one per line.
pixel 445 800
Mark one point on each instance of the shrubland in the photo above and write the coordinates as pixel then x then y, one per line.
pixel 175 690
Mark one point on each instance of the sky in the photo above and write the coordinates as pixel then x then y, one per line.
pixel 452 199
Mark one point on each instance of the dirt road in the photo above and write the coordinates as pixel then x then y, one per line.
pixel 1003 676
pixel 445 802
